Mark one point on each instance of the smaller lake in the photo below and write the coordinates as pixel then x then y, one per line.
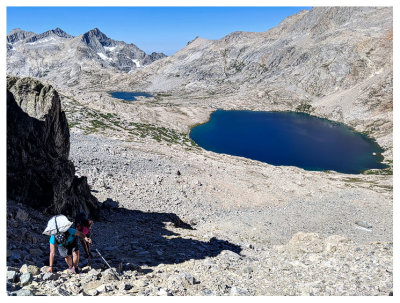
pixel 129 96
pixel 289 138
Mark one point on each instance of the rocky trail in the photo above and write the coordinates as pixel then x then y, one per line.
pixel 193 246
pixel 157 254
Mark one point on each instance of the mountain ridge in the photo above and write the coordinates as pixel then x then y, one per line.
pixel 54 49
pixel 328 58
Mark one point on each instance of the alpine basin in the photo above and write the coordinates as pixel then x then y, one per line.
pixel 129 96
pixel 289 138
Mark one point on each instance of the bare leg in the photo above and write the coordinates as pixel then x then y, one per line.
pixel 86 247
pixel 68 260
pixel 75 255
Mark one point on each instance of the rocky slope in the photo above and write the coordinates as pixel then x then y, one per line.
pixel 56 55
pixel 157 255
pixel 39 172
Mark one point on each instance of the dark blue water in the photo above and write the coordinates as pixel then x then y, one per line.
pixel 129 96
pixel 288 138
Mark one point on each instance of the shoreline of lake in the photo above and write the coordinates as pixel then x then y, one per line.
pixel 376 150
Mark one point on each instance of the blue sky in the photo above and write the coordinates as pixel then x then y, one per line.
pixel 161 29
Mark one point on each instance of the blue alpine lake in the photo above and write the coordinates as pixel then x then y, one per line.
pixel 289 138
pixel 129 96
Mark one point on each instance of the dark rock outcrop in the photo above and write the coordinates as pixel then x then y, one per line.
pixel 38 170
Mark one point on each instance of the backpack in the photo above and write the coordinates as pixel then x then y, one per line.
pixel 61 238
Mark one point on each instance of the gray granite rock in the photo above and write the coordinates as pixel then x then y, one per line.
pixel 50 276
pixel 23 292
pixel 25 278
pixel 11 275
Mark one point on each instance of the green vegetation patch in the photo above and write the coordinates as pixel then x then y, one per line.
pixel 92 121
pixel 385 171
pixel 160 133
pixel 304 108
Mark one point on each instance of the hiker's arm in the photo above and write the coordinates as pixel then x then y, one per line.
pixel 51 257
pixel 83 236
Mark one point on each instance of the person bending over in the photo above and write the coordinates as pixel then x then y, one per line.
pixel 67 247
pixel 84 225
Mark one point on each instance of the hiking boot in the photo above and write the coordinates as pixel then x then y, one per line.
pixel 72 270
pixel 77 270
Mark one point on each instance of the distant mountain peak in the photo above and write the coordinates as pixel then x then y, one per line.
pixel 93 45
pixel 18 34
pixel 59 32
pixel 15 30
pixel 94 38
pixel 95 32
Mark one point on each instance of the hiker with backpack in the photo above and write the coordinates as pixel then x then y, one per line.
pixel 64 237
pixel 84 225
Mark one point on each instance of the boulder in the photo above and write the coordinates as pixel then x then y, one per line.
pixel 12 268
pixel 364 224
pixel 23 292
pixel 109 275
pixel 333 243
pixel 50 276
pixel 124 286
pixel 38 170
pixel 25 278
pixel 93 292
pixel 109 288
pixel 11 276
pixel 94 273
pixel 101 288
pixel 90 288
pixel 303 243
pixel 32 269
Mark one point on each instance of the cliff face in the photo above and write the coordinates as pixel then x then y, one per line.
pixel 38 170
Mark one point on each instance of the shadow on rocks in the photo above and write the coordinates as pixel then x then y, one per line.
pixel 143 238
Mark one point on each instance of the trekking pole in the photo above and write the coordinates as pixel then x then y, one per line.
pixel 91 233
pixel 112 270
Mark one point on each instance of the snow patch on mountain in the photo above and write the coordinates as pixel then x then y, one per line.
pixel 110 48
pixel 104 57
pixel 136 62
